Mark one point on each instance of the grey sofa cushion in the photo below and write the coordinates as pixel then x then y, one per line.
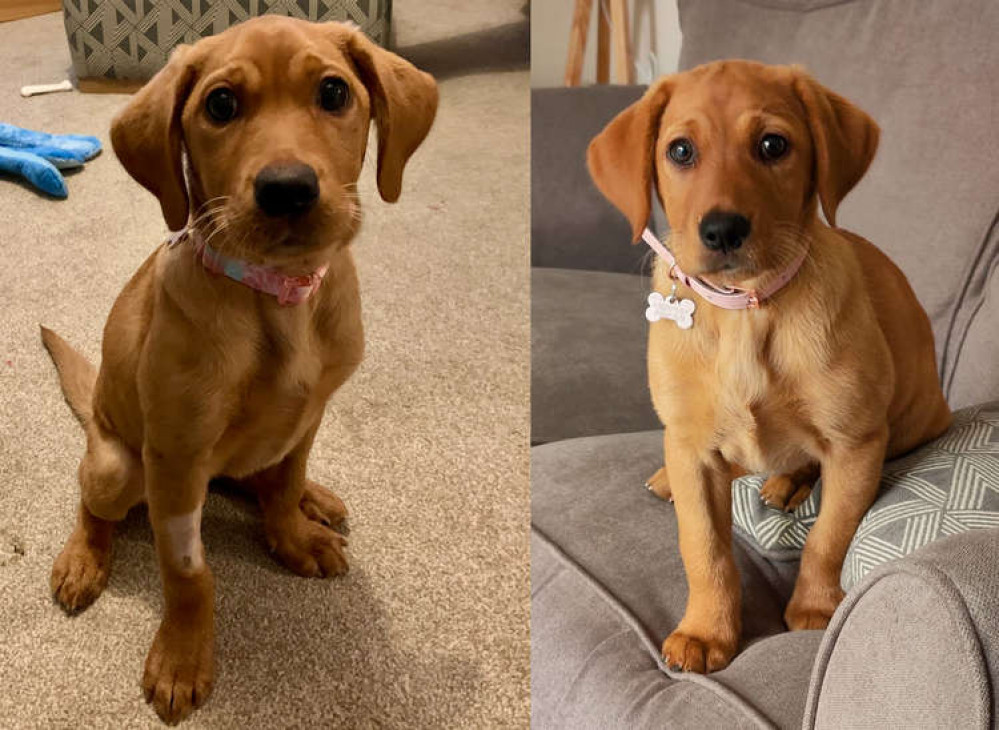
pixel 916 645
pixel 608 586
pixel 588 338
pixel 572 224
pixel 948 486
pixel 975 337
pixel 930 198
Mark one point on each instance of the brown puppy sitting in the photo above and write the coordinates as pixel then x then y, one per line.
pixel 221 352
pixel 787 345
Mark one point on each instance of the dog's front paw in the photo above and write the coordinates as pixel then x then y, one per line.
pixel 308 548
pixel 180 670
pixel 684 652
pixel 658 484
pixel 812 609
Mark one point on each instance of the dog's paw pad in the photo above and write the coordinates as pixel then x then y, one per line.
pixel 310 549
pixel 803 620
pixel 321 505
pixel 179 672
pixel 685 653
pixel 780 492
pixel 79 576
pixel 658 484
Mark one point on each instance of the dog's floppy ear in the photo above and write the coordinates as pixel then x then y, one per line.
pixel 404 103
pixel 148 139
pixel 844 137
pixel 622 160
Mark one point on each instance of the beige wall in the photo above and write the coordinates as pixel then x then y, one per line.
pixel 655 39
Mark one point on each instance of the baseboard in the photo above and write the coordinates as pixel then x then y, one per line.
pixel 109 86
pixel 17 9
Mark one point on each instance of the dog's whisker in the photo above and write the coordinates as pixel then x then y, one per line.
pixel 215 203
pixel 210 201
pixel 209 218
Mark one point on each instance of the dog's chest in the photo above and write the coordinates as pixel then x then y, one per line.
pixel 283 399
pixel 760 423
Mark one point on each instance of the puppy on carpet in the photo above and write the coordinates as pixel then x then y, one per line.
pixel 220 354
pixel 778 344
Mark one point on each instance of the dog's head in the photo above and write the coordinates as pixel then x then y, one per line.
pixel 273 115
pixel 739 152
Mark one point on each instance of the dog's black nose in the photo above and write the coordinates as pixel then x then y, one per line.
pixel 721 231
pixel 286 189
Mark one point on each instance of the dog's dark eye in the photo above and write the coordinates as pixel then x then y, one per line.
pixel 333 94
pixel 221 105
pixel 682 152
pixel 773 147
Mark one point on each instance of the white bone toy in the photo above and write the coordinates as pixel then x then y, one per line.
pixel 46 88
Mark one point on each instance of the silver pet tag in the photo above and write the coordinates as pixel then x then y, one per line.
pixel 680 311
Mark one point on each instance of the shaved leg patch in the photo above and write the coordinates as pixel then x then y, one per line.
pixel 182 539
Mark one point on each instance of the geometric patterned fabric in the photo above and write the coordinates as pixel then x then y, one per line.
pixel 132 39
pixel 945 487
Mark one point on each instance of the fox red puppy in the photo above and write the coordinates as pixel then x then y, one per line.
pixel 779 343
pixel 220 354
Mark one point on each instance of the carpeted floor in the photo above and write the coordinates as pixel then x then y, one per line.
pixel 427 443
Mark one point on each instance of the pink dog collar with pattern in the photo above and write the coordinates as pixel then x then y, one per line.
pixel 724 297
pixel 289 290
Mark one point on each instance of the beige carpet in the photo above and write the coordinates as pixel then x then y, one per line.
pixel 427 443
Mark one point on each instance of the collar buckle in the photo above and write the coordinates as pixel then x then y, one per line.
pixel 295 289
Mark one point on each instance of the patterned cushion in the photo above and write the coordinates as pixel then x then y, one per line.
pixel 948 486
pixel 131 39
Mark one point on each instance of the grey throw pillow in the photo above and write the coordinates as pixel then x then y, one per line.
pixel 948 486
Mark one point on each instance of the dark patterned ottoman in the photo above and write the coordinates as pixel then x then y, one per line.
pixel 131 39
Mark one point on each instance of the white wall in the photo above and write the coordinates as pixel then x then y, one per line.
pixel 655 40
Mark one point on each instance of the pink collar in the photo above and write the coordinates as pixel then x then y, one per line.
pixel 289 290
pixel 724 297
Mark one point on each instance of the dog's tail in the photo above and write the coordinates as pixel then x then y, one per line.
pixel 76 375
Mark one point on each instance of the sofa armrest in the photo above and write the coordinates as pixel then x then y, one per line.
pixel 572 225
pixel 916 643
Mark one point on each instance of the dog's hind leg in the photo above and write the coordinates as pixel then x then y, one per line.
pixel 850 478
pixel 306 545
pixel 318 503
pixel 787 491
pixel 110 484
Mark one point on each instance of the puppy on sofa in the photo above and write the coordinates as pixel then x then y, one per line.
pixel 778 343
pixel 220 354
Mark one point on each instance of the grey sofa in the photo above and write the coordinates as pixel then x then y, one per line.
pixel 916 643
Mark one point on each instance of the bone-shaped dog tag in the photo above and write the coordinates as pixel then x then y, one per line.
pixel 680 311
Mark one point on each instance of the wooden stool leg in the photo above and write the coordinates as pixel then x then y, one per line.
pixel 603 44
pixel 624 72
pixel 577 42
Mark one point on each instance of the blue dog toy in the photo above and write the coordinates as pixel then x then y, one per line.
pixel 38 157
